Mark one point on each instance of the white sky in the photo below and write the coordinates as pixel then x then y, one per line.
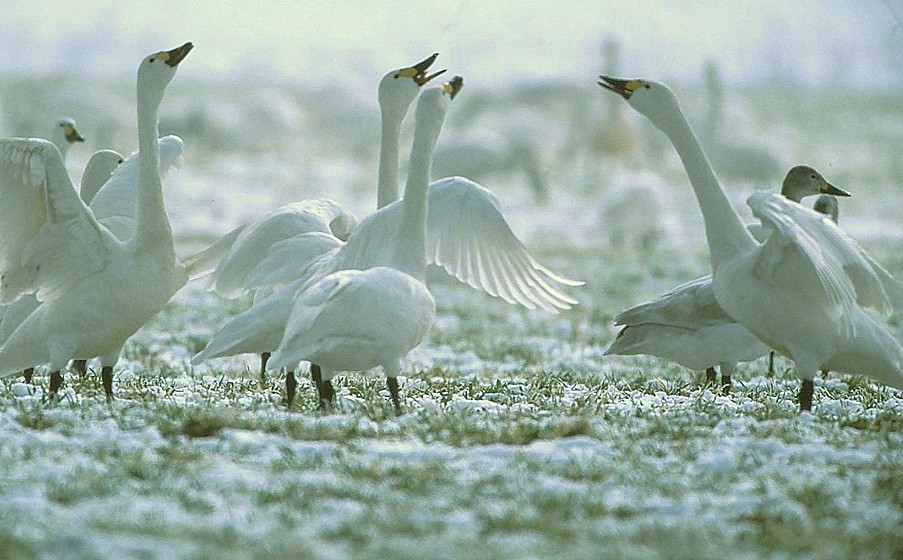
pixel 815 40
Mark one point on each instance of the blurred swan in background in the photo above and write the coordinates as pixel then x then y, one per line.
pixel 731 155
pixel 809 291
pixel 353 320
pixel 91 309
pixel 63 135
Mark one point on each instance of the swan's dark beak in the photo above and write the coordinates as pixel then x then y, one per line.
pixel 418 71
pixel 175 56
pixel 71 134
pixel 828 188
pixel 453 86
pixel 624 88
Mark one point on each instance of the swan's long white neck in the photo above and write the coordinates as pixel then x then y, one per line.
pixel 152 229
pixel 725 232
pixel 387 185
pixel 410 250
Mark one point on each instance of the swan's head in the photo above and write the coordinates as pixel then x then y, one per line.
pixel 433 105
pixel 97 171
pixel 651 99
pixel 398 89
pixel 67 129
pixel 157 69
pixel 827 205
pixel 803 181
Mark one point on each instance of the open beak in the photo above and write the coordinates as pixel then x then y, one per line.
pixel 418 72
pixel 175 56
pixel 453 86
pixel 624 88
pixel 828 188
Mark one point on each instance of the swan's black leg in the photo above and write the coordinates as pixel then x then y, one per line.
pixel 106 377
pixel 290 386
pixel 324 388
pixel 726 384
pixel 710 375
pixel 771 364
pixel 81 366
pixel 56 381
pixel 264 358
pixel 392 383
pixel 806 391
pixel 28 374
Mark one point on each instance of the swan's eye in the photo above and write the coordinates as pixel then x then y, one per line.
pixel 812 177
pixel 151 60
pixel 396 75
pixel 647 86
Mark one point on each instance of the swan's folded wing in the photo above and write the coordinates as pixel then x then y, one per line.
pixel 805 242
pixel 70 244
pixel 690 306
pixel 205 261
pixel 468 236
pixel 114 205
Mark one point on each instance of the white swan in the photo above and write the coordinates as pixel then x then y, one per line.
pixel 353 320
pixel 809 292
pixel 98 171
pixel 688 326
pixel 271 242
pixel 89 310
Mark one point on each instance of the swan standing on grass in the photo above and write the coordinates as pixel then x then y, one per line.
pixel 809 291
pixel 688 326
pixel 274 238
pixel 91 309
pixel 353 320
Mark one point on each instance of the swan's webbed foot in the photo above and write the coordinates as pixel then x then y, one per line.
pixel 710 375
pixel 290 387
pixel 325 391
pixel 106 377
pixel 28 373
pixel 264 358
pixel 805 397
pixel 392 384
pixel 81 366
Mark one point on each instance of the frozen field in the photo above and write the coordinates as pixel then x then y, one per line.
pixel 518 438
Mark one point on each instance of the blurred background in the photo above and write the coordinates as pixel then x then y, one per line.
pixel 277 101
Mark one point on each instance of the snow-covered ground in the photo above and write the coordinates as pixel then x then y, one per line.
pixel 518 438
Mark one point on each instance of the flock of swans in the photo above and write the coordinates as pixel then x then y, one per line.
pixel 83 270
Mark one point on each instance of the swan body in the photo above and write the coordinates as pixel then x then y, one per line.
pixel 362 318
pixel 687 326
pixel 89 310
pixel 808 291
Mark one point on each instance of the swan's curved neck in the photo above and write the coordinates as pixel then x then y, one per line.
pixel 387 185
pixel 725 233
pixel 410 251
pixel 152 229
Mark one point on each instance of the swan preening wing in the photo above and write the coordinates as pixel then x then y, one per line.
pixel 39 198
pixel 691 306
pixel 803 241
pixel 254 243
pixel 114 204
pixel 468 236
